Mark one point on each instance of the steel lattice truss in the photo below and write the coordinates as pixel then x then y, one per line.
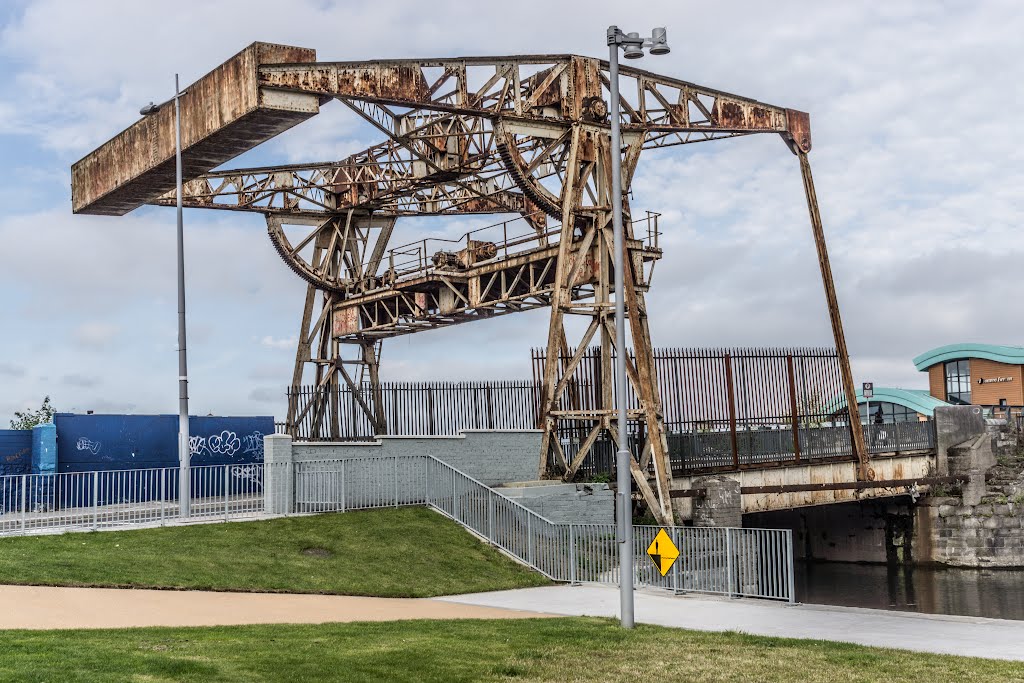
pixel 456 148
pixel 526 135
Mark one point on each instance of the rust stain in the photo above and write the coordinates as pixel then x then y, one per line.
pixel 399 83
pixel 345 321
pixel 308 78
pixel 545 92
pixel 739 115
pixel 585 87
pixel 588 147
pixel 798 128
pixel 222 115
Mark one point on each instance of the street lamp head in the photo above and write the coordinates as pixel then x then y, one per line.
pixel 150 109
pixel 659 42
pixel 633 46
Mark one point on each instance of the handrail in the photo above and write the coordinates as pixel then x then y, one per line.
pixel 419 251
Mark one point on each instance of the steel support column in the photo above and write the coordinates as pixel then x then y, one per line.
pixel 856 433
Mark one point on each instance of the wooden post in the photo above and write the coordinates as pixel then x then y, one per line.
pixel 856 433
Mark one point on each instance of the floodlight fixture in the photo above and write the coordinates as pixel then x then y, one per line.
pixel 659 42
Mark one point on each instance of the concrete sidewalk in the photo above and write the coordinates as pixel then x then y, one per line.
pixel 45 607
pixel 968 636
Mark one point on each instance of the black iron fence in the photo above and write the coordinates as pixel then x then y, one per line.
pixel 723 408
pixel 413 408
pixel 712 389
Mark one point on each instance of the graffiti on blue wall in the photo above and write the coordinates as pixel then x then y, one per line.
pixel 106 442
pixel 15 451
pixel 15 458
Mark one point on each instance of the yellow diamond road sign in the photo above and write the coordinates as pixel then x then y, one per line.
pixel 663 551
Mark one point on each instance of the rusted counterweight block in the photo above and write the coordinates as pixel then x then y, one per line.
pixel 223 114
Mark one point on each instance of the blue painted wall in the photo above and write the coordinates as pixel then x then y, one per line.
pixel 15 451
pixel 115 442
pixel 44 448
pixel 15 458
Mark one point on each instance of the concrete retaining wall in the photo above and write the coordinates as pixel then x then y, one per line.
pixel 390 473
pixel 491 457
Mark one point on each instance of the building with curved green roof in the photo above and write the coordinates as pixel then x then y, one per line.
pixel 975 374
pixel 897 405
pixel 1009 355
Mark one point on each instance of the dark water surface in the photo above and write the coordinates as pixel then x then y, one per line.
pixel 997 593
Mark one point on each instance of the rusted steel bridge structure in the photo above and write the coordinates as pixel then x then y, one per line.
pixel 525 135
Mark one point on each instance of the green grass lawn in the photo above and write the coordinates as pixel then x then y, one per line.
pixel 559 650
pixel 405 552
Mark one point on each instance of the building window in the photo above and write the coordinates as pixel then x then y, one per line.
pixel 958 381
pixel 891 413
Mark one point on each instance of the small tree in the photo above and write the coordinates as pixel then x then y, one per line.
pixel 30 418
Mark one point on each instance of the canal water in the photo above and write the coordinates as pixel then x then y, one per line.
pixel 997 593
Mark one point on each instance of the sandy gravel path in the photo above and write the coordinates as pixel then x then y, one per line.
pixel 43 607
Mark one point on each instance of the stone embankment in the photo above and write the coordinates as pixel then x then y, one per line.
pixel 984 525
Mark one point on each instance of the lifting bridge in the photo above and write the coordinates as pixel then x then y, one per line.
pixel 526 135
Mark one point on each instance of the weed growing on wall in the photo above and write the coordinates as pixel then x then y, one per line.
pixel 30 418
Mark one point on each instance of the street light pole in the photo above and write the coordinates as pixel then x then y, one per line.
pixel 623 476
pixel 633 46
pixel 184 451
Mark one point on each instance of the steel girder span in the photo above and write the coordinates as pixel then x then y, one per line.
pixel 526 135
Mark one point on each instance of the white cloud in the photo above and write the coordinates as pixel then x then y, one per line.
pixel 287 343
pixel 11 370
pixel 95 335
pixel 83 381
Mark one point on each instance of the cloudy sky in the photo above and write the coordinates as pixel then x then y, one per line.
pixel 915 109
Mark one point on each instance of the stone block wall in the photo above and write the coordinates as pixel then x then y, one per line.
pixel 983 526
pixel 989 534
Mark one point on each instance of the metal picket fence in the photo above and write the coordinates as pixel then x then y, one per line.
pixel 728 561
pixel 94 500
pixel 734 562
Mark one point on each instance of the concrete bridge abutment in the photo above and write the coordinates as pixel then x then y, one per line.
pixel 721 505
pixel 972 515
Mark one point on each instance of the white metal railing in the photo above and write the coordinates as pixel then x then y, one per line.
pixel 68 501
pixel 727 561
pixel 734 562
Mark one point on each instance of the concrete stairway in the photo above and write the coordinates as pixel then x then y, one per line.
pixel 564 503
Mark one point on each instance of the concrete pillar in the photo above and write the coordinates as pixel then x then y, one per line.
pixel 721 506
pixel 44 449
pixel 972 460
pixel 44 461
pixel 953 426
pixel 278 474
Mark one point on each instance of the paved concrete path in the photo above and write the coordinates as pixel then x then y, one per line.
pixel 969 636
pixel 42 607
